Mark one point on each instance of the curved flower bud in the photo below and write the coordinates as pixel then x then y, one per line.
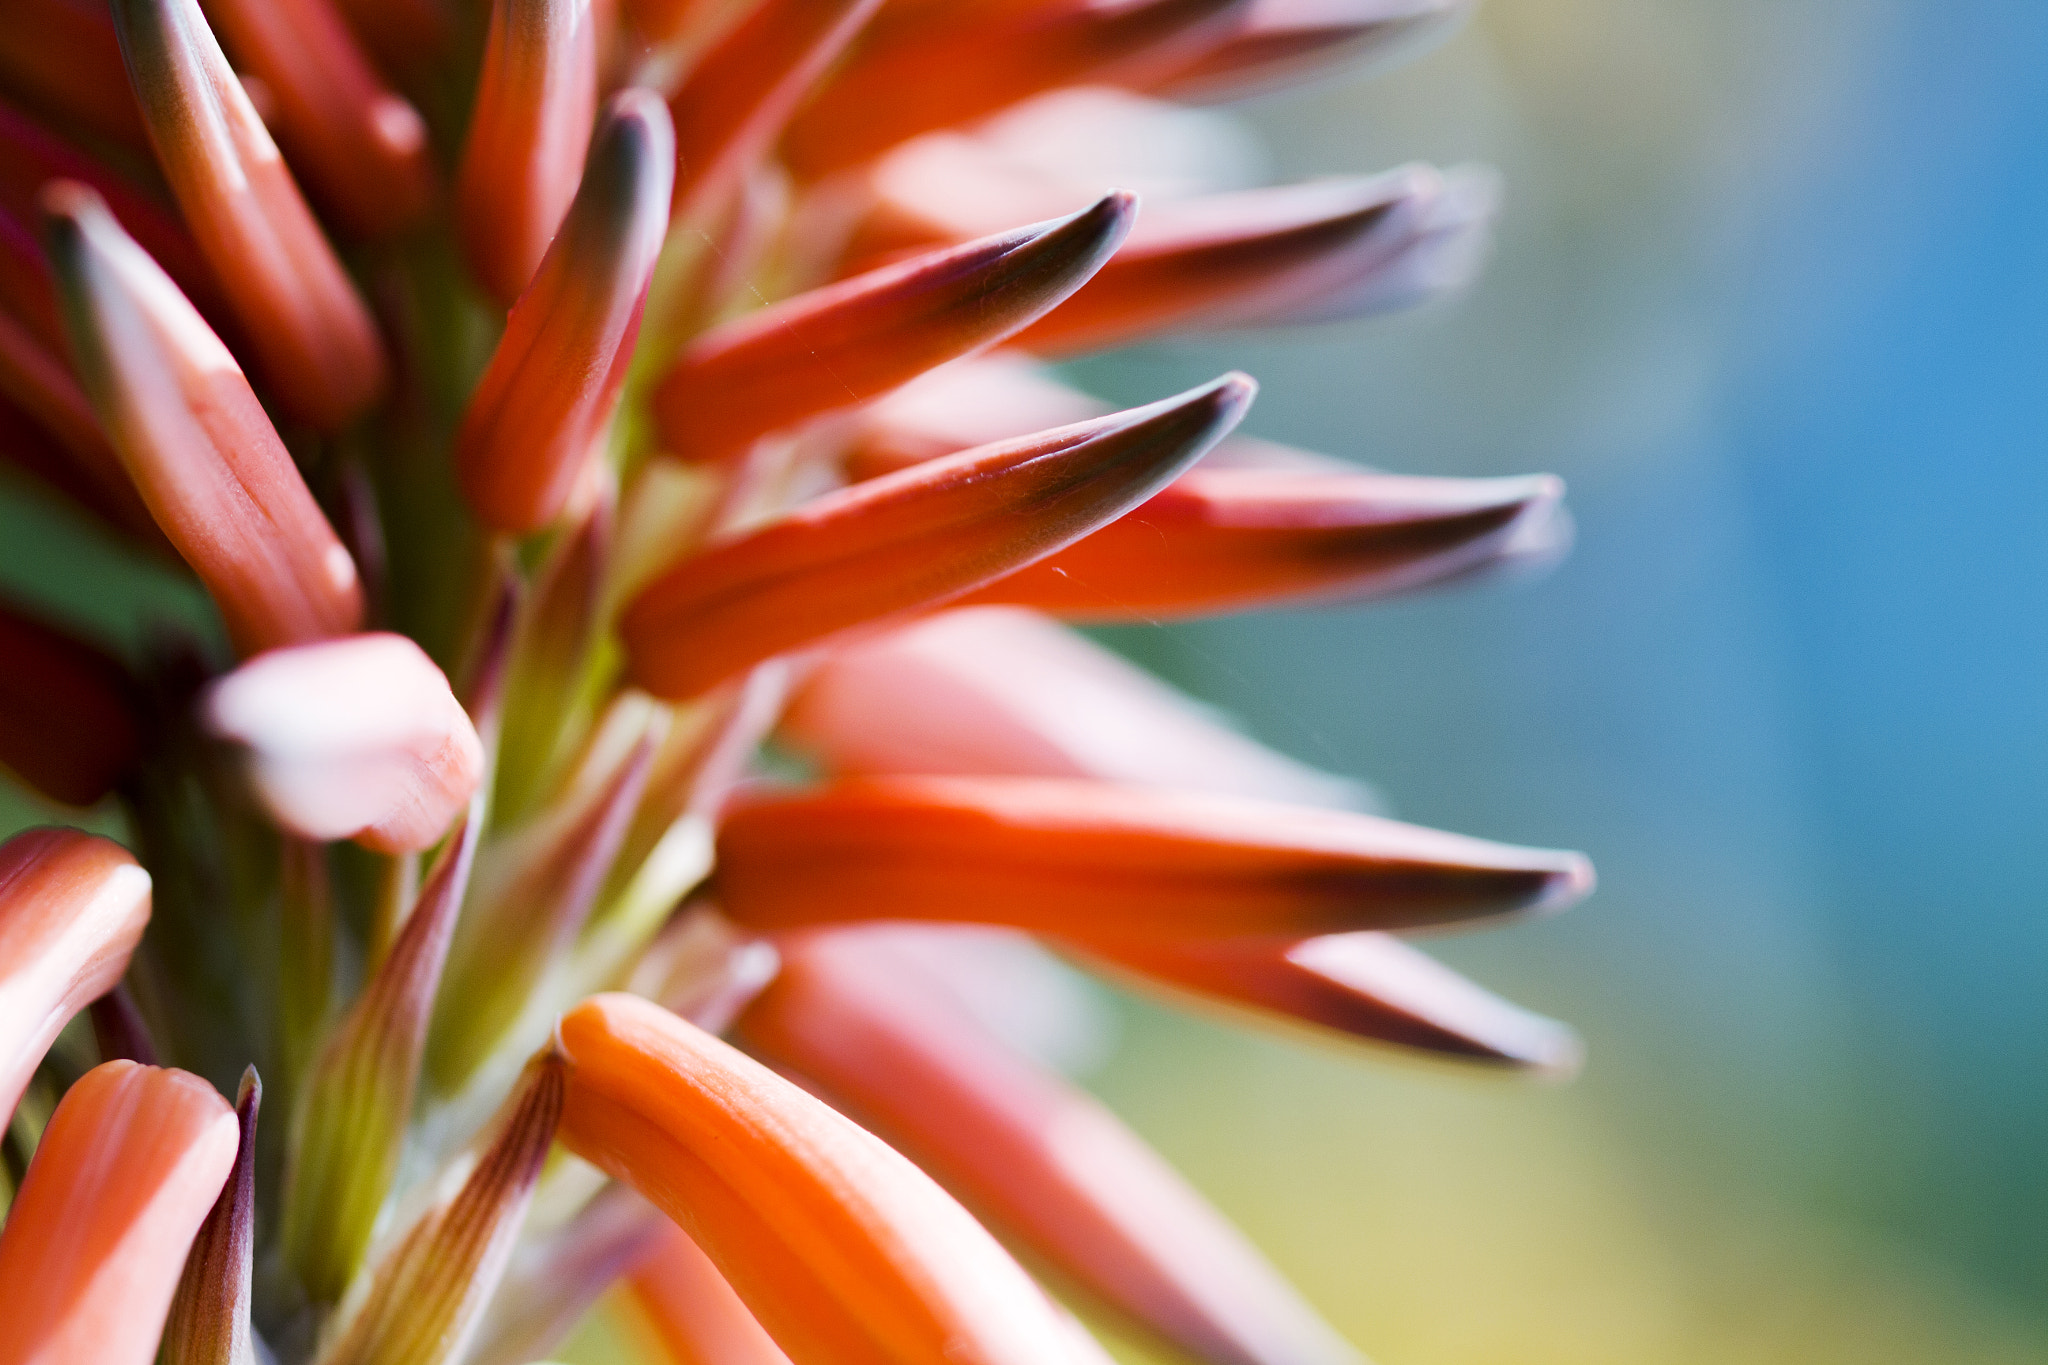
pixel 696 1314
pixel 535 104
pixel 68 725
pixel 554 380
pixel 1028 1149
pixel 911 540
pixel 1219 540
pixel 361 150
pixel 209 1320
pixel 194 439
pixel 1062 856
pixel 358 738
pixel 1283 42
pixel 309 328
pixel 944 66
pixel 72 909
pixel 848 342
pixel 64 55
pixel 126 1172
pixel 842 1249
pixel 1367 985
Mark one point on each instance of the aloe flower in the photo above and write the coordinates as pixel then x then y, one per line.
pixel 567 406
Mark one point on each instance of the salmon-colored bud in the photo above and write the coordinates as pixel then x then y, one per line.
pixel 740 94
pixel 942 67
pixel 1283 42
pixel 535 104
pixel 841 1248
pixel 194 439
pixel 72 909
pixel 1053 855
pixel 1367 985
pixel 126 1172
pixel 1219 540
pixel 312 335
pixel 911 540
pixel 555 1279
pixel 1291 253
pixel 861 1016
pixel 554 380
pixel 68 723
pixel 361 150
pixel 209 1320
pixel 63 55
pixel 358 738
pixel 693 1311
pixel 849 342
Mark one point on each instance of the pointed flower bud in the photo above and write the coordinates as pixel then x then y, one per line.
pixel 848 342
pixel 693 1311
pixel 842 1249
pixel 358 738
pixel 1367 985
pixel 311 332
pixel 1283 42
pixel 554 380
pixel 1053 855
pixel 535 104
pixel 68 725
pixel 361 150
pixel 1219 540
pixel 866 1022
pixel 938 68
pixel 209 1320
pixel 429 1294
pixel 350 1122
pixel 72 909
pixel 63 55
pixel 126 1172
pixel 911 540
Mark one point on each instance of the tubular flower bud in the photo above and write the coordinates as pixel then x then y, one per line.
pixel 1280 42
pixel 535 105
pixel 551 386
pixel 843 344
pixel 72 909
pixel 67 713
pixel 310 331
pixel 1061 856
pixel 65 57
pixel 842 1249
pixel 1367 985
pixel 694 1311
pixel 358 738
pixel 209 1319
pixel 911 540
pixel 127 1170
pixel 194 438
pixel 861 1019
pixel 944 66
pixel 361 149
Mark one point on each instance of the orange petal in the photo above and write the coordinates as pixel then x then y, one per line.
pixel 1058 856
pixel 1220 540
pixel 72 909
pixel 63 55
pixel 194 438
pixel 127 1170
pixel 739 94
pixel 1367 985
pixel 911 540
pixel 866 1022
pixel 310 330
pixel 937 68
pixel 1256 257
pixel 697 1316
pixel 358 738
pixel 848 342
pixel 535 104
pixel 555 377
pixel 995 690
pixel 68 723
pixel 361 149
pixel 1284 42
pixel 843 1249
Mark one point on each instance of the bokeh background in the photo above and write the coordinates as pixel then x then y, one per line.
pixel 1771 292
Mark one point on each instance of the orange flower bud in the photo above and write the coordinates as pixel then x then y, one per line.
pixel 1065 856
pixel 1282 42
pixel 64 56
pixel 911 540
pixel 72 909
pixel 840 1247
pixel 126 1172
pixel 693 1311
pixel 67 713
